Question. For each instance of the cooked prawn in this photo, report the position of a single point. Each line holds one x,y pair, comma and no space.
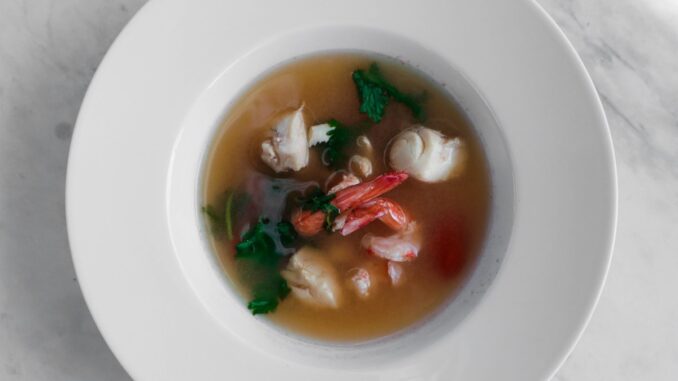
308,223
383,209
400,247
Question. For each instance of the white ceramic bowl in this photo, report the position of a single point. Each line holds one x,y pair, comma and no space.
139,243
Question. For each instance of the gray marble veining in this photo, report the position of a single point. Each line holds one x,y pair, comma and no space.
49,51
629,47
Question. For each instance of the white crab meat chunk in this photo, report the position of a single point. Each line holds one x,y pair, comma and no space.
360,166
361,282
313,279
427,154
395,273
286,149
320,133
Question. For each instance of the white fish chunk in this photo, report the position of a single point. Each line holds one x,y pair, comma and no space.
313,279
427,154
287,148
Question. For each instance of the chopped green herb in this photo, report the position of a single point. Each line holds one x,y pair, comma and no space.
268,294
318,200
340,136
374,92
331,212
286,232
222,217
373,98
258,246
212,214
262,305
228,216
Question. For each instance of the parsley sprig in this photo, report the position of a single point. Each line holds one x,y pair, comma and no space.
375,91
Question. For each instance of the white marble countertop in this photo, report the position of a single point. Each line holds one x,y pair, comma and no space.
50,49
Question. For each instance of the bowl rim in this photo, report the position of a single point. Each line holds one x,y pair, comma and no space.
95,124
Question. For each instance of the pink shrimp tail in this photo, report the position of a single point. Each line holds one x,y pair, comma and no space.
387,211
309,223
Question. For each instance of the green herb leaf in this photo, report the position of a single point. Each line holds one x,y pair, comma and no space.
374,92
211,213
228,216
318,200
258,247
373,98
268,294
262,305
340,136
331,212
287,233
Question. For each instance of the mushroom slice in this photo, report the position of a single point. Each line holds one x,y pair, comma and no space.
360,166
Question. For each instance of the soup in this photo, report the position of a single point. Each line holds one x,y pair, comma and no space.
347,196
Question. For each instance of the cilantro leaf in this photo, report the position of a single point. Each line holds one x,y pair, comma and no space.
268,294
340,136
286,232
331,212
257,246
373,98
262,305
374,92
318,200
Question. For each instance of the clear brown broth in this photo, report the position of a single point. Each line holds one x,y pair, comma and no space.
323,83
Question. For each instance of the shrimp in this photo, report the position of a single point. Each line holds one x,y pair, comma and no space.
347,180
386,210
400,247
308,223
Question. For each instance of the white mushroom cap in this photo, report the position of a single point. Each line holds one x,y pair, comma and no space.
360,165
427,154
287,149
313,279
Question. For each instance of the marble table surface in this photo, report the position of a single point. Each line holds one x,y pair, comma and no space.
50,49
